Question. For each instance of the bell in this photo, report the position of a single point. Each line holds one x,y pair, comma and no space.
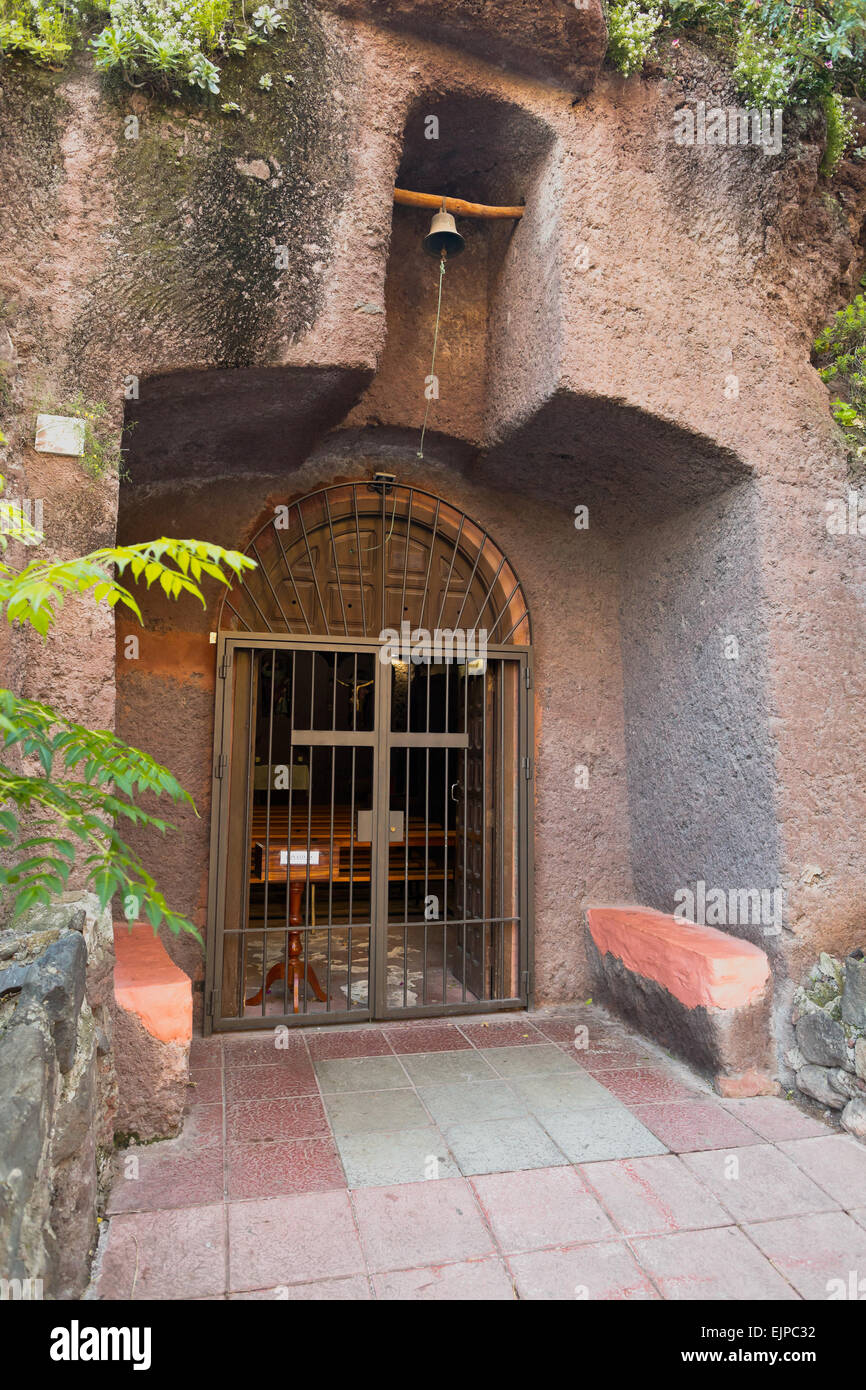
443,238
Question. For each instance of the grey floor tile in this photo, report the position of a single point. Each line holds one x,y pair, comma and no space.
437,1068
528,1061
360,1074
410,1155
558,1091
466,1102
367,1112
600,1133
502,1146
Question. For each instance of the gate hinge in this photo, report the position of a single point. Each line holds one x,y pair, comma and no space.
527,677
212,1002
222,764
526,764
224,666
527,983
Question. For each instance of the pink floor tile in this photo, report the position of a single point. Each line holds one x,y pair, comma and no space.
302,1117
206,1085
202,1126
295,1078
426,1038
758,1183
149,1179
689,1125
273,1170
416,1224
206,1052
501,1034
278,1241
271,1049
817,1254
584,1272
837,1163
559,1030
602,1059
354,1042
647,1085
540,1207
164,1255
709,1265
473,1280
775,1119
355,1288
647,1196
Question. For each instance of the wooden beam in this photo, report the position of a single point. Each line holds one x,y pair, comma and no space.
456,206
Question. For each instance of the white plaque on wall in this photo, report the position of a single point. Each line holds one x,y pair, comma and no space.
59,434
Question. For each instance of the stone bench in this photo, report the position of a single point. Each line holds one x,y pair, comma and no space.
700,992
152,1034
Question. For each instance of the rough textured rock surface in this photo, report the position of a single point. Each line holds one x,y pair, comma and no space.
815,1082
854,1118
57,1093
822,1040
854,990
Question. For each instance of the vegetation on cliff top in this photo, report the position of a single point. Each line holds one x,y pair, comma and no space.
160,43
810,53
841,355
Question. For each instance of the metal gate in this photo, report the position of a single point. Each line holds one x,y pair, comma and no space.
370,829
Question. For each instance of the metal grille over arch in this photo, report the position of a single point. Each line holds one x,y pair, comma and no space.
356,559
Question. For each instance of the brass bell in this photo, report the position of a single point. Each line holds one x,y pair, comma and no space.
443,238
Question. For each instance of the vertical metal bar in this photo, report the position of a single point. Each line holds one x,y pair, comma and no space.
352,882
408,754
406,558
306,932
289,832
330,928
499,814
248,828
488,927
465,790
382,566
427,821
429,563
267,864
445,809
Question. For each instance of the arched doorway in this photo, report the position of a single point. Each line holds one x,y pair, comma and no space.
371,810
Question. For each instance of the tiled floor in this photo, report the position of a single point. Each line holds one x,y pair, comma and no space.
479,1160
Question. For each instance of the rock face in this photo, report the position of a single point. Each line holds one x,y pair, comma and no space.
854,990
822,1040
58,1092
854,1118
815,1082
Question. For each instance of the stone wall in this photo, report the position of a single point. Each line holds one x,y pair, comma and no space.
58,1093
828,1059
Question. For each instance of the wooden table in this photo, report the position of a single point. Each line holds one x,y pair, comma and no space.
323,850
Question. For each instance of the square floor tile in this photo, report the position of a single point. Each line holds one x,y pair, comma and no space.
206,1085
645,1085
274,1170
689,1125
164,1255
295,1078
409,1155
541,1207
360,1074
421,1037
583,1272
363,1112
438,1068
417,1224
273,1048
817,1254
470,1281
279,1241
502,1146
573,1090
759,1182
600,1132
471,1101
348,1042
837,1163
774,1118
255,1121
602,1058
501,1033
652,1196
147,1179
206,1052
710,1265
524,1061
560,1030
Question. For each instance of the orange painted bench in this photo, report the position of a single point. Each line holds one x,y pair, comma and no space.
152,1034
701,992
148,983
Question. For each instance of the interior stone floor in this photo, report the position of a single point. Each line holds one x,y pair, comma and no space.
478,1159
